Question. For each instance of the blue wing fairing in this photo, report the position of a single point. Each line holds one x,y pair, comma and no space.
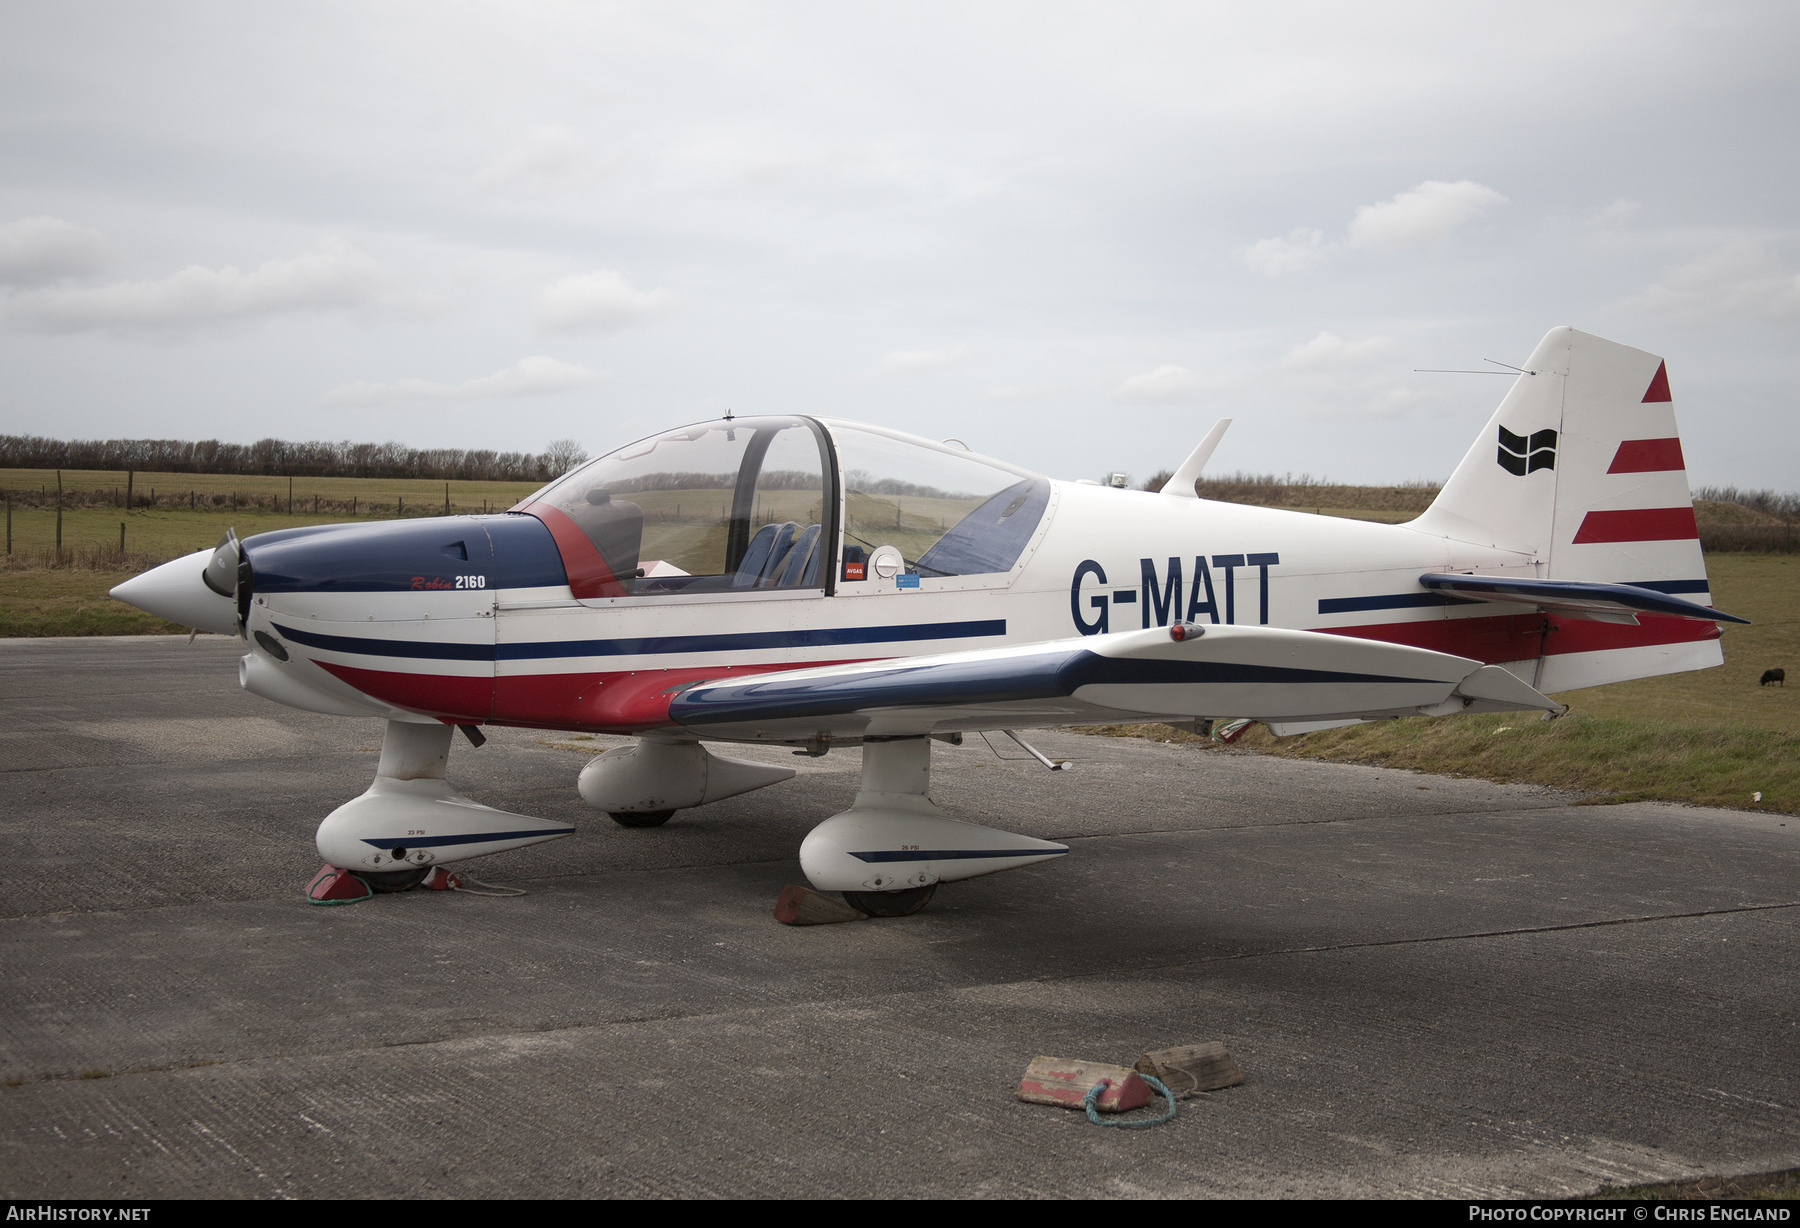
1053,674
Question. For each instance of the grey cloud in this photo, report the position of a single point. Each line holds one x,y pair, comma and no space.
41,249
538,375
1741,278
601,301
334,276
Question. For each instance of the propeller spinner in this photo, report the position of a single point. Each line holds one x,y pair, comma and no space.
208,590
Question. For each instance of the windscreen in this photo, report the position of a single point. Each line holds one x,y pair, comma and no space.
712,507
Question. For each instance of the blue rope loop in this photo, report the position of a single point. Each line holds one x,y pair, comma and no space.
1093,1096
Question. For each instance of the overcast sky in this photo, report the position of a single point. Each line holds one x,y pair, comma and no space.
1071,235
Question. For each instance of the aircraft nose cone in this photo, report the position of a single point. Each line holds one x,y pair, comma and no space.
176,592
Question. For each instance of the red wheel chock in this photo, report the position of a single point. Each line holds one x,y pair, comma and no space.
441,879
332,885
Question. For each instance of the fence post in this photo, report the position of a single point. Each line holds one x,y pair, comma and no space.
121,538
290,494
446,498
9,522
59,515
402,510
128,477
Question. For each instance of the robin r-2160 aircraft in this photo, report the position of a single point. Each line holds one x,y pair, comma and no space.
822,584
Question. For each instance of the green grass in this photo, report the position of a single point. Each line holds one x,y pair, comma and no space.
72,601
155,535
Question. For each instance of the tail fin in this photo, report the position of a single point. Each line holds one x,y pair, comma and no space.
1580,471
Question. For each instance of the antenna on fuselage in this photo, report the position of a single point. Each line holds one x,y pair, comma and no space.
1181,485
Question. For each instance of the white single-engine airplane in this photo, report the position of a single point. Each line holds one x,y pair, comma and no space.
821,584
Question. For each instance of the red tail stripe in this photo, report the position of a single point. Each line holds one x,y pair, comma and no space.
1659,385
1639,524
1648,456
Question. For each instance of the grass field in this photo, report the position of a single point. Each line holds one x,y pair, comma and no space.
1711,737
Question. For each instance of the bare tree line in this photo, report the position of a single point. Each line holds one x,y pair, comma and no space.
282,458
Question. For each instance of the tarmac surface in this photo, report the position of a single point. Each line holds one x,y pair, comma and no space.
1434,987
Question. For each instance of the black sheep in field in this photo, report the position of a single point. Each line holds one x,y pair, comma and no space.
1773,675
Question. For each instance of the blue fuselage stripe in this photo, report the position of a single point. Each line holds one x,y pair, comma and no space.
748,641
744,641
1673,586
1393,601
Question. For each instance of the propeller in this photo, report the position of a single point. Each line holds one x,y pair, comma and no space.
228,573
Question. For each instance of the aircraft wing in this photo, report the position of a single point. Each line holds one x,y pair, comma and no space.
1211,671
1620,603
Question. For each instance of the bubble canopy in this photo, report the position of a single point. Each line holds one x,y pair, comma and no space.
749,504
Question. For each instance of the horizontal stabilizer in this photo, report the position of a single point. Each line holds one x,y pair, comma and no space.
1577,598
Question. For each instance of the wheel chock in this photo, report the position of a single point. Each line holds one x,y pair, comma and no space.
1188,1069
1065,1082
333,885
803,906
441,879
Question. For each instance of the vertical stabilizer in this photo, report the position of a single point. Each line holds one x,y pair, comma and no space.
1580,472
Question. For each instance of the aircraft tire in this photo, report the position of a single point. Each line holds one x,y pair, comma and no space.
641,818
394,880
902,903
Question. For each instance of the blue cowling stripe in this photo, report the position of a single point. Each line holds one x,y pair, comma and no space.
413,842
741,642
371,647
1050,675
955,854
